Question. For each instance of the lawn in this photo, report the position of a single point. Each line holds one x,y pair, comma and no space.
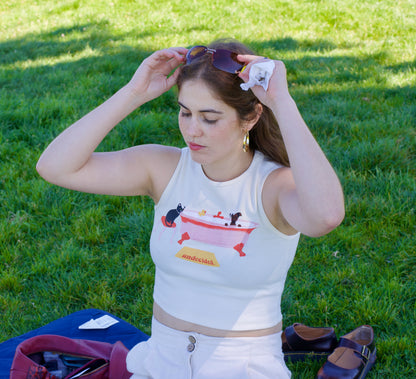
352,71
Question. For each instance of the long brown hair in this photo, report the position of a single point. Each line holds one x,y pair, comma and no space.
265,136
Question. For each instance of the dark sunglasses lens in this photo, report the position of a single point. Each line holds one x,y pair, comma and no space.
226,60
195,52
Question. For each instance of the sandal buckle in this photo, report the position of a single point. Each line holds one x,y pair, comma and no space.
365,352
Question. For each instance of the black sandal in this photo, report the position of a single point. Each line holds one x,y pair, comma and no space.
353,358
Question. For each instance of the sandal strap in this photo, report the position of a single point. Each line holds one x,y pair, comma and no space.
363,350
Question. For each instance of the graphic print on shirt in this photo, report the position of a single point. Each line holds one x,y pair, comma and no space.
209,228
201,257
171,216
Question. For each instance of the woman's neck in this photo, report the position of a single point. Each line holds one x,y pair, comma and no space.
230,169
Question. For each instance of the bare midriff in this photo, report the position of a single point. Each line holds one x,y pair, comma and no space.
175,323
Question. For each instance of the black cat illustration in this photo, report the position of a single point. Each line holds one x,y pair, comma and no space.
234,218
172,215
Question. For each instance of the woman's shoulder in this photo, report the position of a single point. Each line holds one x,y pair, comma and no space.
156,157
277,179
162,161
265,163
161,151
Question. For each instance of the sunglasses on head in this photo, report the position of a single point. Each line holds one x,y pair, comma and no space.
224,60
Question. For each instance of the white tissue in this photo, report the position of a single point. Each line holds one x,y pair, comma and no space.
103,322
260,74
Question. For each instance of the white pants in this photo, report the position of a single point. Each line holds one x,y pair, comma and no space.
172,354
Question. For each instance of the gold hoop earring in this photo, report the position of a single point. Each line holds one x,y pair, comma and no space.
246,142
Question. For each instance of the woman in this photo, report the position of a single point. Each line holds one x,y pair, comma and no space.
229,207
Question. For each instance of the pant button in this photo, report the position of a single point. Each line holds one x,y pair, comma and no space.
191,347
192,339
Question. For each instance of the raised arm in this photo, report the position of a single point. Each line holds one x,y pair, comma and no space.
70,161
308,194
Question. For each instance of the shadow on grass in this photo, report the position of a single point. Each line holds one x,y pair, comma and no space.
62,41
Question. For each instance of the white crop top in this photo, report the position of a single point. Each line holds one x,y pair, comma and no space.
219,261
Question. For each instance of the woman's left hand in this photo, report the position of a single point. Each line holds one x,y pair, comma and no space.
277,89
308,194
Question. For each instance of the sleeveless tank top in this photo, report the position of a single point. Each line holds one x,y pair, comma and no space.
219,261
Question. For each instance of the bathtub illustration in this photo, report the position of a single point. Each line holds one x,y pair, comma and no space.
218,230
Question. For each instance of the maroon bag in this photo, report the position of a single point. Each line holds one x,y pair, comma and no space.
57,357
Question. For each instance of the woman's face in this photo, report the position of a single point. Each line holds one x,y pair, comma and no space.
212,130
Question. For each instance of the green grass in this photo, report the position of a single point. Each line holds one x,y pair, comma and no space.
352,70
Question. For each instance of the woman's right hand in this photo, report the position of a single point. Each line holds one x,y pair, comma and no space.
70,160
152,77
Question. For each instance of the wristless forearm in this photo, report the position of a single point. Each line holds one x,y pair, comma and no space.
317,185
